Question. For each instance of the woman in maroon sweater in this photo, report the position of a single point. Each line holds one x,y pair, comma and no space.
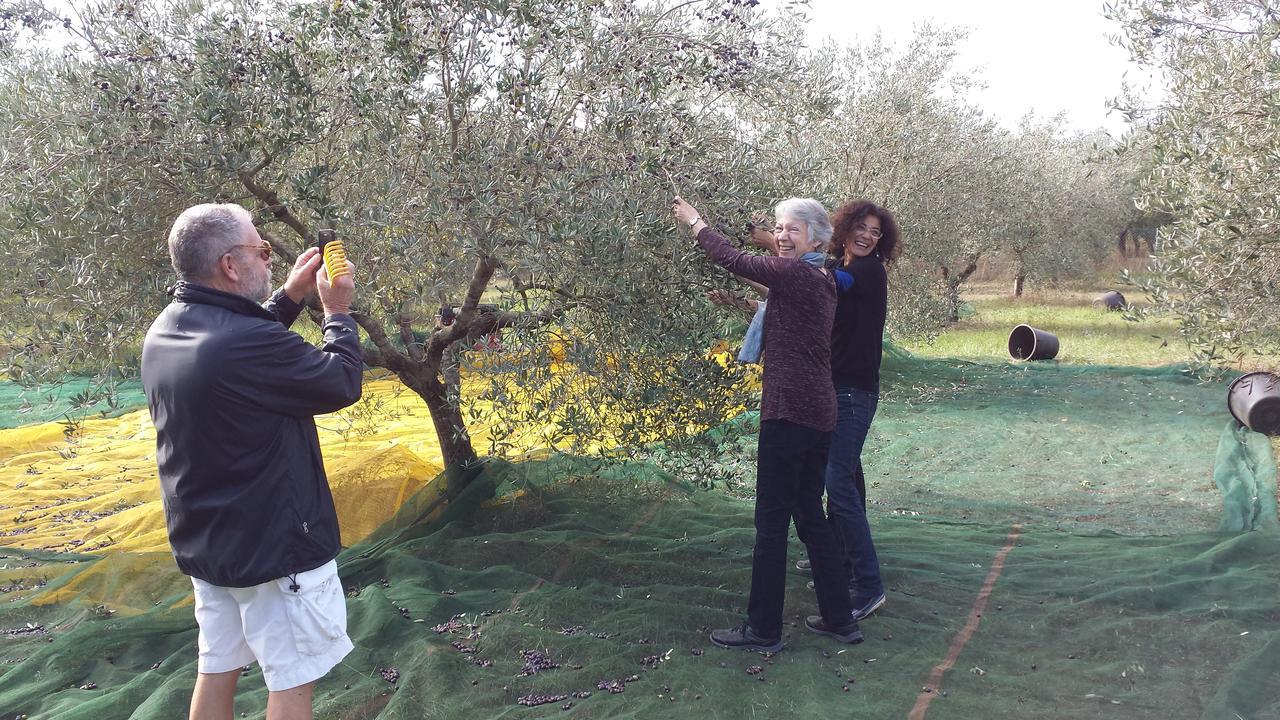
797,414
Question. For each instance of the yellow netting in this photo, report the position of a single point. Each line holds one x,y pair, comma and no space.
97,491
129,583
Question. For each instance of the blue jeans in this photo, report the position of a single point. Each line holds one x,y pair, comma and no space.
846,491
789,466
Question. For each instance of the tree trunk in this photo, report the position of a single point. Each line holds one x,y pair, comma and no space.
954,281
1018,282
953,296
1122,242
435,380
451,430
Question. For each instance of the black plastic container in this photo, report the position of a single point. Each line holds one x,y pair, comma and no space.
1111,300
1028,343
1254,400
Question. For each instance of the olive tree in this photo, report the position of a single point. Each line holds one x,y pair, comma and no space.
511,160
1033,190
1215,154
1065,198
905,136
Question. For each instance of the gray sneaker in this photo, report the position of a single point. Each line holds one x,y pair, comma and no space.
845,634
862,609
743,637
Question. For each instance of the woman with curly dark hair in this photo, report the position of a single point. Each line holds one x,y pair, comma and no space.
864,241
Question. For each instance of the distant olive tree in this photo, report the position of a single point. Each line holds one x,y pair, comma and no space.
1215,156
1065,196
511,160
906,135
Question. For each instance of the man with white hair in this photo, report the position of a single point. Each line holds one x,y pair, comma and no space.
232,392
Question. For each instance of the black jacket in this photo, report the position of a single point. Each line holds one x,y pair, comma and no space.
232,392
857,336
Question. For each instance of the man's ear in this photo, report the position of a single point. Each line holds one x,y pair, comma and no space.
227,269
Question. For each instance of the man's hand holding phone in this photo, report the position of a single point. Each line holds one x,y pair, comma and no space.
302,277
337,293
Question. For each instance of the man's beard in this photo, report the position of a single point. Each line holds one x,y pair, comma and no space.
260,292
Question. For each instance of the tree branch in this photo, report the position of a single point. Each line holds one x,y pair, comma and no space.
406,336
387,356
283,251
443,338
271,200
491,322
523,288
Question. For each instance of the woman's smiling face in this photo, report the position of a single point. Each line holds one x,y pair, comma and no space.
792,237
866,235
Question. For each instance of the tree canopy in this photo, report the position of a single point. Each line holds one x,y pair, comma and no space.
510,160
1215,152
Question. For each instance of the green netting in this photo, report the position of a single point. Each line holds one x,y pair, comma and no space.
601,578
1082,448
1245,472
1082,501
23,406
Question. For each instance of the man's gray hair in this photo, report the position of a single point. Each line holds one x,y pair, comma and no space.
811,213
202,234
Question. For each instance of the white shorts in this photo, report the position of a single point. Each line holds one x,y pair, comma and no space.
296,636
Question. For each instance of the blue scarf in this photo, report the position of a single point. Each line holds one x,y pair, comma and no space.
753,341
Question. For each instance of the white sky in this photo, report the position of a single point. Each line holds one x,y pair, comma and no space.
1032,54
1041,55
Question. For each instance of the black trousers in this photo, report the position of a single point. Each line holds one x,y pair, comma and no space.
791,467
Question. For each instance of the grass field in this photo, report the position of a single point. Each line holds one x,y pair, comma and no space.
1087,333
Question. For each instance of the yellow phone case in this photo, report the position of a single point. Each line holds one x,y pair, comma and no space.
335,260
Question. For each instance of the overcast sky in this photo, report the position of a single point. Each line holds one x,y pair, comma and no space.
1046,56
1031,54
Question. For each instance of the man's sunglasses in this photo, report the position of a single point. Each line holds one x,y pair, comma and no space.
264,249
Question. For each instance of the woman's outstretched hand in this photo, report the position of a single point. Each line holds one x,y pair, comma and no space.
763,239
684,212
725,298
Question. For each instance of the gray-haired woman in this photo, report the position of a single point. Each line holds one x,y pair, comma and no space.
797,414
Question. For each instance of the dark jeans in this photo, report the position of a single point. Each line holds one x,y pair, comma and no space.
790,462
846,490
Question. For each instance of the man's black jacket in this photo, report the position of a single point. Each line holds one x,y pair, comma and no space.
232,392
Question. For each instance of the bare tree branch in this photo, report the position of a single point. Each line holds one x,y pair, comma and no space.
406,336
389,356
271,200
